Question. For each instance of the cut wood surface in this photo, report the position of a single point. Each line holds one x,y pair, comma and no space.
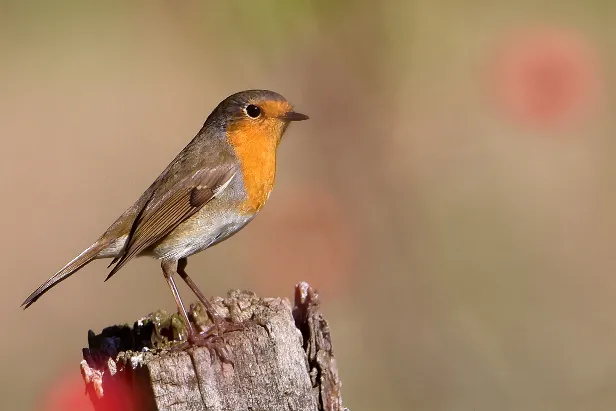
282,359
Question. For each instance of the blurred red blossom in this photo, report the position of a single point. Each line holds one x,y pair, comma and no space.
68,393
309,238
548,78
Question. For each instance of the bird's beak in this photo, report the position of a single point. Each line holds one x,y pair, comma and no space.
293,116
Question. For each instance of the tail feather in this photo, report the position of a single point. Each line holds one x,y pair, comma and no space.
69,269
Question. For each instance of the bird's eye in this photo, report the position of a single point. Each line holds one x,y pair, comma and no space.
253,111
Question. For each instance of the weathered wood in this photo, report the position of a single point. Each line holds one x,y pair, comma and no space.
282,359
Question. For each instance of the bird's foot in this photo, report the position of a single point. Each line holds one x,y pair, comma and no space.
215,345
222,326
213,339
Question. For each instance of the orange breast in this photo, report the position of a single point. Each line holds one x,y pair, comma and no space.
255,147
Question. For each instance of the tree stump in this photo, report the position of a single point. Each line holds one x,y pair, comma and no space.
281,360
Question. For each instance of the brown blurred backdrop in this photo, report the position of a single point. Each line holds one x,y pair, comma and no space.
452,196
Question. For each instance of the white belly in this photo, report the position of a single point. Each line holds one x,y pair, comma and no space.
197,234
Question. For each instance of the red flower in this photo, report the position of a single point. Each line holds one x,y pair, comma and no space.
308,238
68,393
547,78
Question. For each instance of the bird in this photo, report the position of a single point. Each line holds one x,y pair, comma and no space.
212,189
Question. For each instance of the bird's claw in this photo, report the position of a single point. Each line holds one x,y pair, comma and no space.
213,339
216,346
222,327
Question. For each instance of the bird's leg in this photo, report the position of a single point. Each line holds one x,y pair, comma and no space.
209,308
220,324
168,271
213,343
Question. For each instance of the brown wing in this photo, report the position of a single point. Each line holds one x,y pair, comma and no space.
166,211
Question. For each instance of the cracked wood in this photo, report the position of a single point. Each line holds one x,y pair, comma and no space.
282,360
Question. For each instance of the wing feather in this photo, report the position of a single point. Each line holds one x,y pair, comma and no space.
165,211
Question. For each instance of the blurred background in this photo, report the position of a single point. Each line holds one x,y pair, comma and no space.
452,196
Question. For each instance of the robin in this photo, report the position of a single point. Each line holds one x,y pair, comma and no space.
214,187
